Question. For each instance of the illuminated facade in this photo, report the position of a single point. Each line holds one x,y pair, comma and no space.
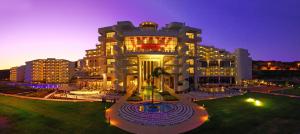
215,65
13,74
48,71
17,74
126,55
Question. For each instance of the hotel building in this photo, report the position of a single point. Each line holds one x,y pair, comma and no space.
48,71
127,55
43,71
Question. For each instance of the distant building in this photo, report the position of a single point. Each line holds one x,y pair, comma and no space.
17,74
43,71
48,71
13,74
4,74
127,55
275,65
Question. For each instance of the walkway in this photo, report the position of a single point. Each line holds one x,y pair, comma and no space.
199,117
269,90
278,94
49,95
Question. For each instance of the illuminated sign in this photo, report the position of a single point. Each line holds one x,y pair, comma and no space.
150,46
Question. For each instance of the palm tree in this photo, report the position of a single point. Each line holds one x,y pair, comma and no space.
157,73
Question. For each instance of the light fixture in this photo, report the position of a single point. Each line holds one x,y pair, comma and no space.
255,102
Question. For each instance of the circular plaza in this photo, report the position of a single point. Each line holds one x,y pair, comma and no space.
156,117
166,114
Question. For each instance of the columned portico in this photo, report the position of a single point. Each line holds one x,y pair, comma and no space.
146,65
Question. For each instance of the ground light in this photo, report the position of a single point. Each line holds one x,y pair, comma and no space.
204,118
255,102
258,103
250,100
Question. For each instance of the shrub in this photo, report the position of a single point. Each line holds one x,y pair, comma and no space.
164,93
134,98
169,98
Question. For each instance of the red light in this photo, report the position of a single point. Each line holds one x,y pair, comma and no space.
151,46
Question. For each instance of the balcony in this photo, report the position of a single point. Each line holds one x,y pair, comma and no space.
151,51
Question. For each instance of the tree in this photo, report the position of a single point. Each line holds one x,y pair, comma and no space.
157,73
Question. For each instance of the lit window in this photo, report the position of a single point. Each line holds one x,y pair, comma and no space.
110,34
190,35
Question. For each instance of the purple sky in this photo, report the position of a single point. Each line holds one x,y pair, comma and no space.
31,29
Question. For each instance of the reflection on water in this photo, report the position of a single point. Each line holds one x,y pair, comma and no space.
148,97
156,107
147,94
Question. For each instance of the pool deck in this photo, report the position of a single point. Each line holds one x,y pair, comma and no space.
199,117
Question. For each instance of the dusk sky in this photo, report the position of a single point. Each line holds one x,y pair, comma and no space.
32,29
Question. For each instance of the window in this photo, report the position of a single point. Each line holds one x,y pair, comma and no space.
190,35
110,34
109,48
190,61
110,70
110,61
191,50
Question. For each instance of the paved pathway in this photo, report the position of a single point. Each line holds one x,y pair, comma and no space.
49,95
199,117
278,94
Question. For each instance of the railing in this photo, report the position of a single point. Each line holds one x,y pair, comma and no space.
150,51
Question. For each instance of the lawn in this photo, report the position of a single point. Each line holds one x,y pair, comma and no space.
234,115
229,115
32,116
291,91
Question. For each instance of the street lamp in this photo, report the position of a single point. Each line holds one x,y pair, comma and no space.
104,80
269,64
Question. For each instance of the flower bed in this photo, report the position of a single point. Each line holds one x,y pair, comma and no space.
134,97
167,96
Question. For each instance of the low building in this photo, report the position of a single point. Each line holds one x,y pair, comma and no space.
4,74
275,65
17,74
13,74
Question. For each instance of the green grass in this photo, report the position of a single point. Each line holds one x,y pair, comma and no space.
235,116
291,91
40,93
229,115
33,116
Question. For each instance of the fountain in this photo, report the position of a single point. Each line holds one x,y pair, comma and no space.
162,114
155,107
